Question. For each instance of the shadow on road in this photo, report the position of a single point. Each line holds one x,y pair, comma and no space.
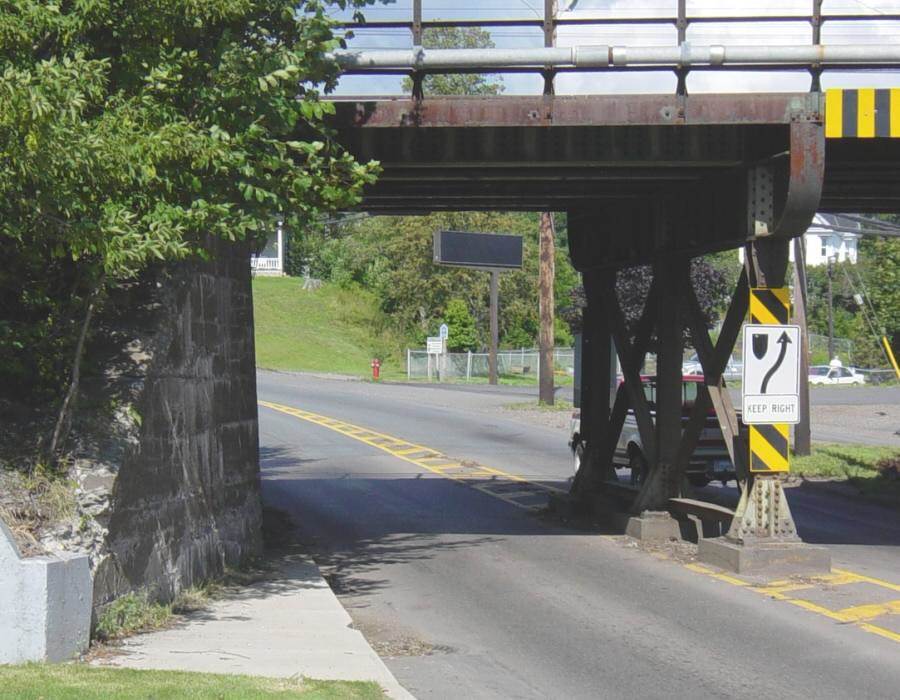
829,513
355,524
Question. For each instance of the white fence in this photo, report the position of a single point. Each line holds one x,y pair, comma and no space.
265,264
466,366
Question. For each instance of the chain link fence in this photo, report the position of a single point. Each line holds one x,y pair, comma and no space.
468,366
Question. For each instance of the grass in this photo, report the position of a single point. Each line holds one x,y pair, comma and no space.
858,464
334,330
329,329
81,682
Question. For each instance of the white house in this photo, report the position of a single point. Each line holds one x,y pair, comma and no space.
829,236
270,260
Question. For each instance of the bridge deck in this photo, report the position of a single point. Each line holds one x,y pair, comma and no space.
537,153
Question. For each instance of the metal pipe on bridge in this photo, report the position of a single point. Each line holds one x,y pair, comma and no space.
615,57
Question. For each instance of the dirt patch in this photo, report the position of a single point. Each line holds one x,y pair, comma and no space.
390,642
557,420
680,551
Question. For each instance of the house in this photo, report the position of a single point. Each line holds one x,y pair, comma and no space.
829,236
270,259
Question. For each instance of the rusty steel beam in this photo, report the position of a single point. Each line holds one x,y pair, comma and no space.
578,110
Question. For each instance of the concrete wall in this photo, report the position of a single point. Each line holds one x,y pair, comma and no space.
45,605
185,497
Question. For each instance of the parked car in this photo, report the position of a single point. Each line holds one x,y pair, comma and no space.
825,374
733,370
710,460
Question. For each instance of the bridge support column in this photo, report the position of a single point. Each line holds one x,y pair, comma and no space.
598,375
763,536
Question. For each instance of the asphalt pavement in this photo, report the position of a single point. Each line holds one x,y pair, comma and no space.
467,595
818,395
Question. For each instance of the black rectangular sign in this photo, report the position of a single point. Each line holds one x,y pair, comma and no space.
480,250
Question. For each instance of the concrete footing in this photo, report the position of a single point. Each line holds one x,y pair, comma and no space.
765,558
653,526
45,605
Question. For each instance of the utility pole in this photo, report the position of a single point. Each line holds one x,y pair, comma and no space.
830,272
545,293
547,272
495,331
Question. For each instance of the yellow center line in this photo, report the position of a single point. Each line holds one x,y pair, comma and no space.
402,449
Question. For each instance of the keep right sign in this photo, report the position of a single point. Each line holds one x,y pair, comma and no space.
771,379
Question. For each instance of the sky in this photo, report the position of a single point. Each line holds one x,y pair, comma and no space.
771,33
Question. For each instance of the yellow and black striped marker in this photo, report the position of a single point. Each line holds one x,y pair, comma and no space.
862,113
769,448
769,444
770,305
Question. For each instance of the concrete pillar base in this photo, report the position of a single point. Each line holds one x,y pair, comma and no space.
653,526
765,558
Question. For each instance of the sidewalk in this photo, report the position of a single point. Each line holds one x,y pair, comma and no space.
292,625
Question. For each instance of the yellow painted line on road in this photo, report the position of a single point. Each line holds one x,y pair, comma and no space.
446,466
700,569
881,631
858,615
864,613
860,578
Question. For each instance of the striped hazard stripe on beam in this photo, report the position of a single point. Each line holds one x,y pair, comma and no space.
770,305
769,448
862,113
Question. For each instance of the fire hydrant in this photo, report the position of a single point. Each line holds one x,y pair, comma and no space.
376,368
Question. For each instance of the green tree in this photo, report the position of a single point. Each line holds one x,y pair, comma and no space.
462,335
457,83
392,256
879,263
132,131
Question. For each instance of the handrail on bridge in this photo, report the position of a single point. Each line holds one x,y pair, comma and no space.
681,58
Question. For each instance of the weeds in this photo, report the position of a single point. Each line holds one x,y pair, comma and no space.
130,614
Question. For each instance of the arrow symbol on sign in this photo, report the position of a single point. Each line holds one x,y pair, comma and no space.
783,342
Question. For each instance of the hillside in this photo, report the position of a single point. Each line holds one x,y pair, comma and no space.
330,329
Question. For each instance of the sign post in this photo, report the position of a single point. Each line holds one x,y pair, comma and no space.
492,252
435,346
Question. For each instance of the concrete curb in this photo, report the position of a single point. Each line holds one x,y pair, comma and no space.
292,625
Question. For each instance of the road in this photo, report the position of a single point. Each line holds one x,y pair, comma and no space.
467,595
863,415
818,395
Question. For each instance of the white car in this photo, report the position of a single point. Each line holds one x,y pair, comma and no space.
733,370
823,374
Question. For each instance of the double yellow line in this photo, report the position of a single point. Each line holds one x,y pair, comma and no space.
520,492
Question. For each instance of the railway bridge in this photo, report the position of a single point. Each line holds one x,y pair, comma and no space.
646,179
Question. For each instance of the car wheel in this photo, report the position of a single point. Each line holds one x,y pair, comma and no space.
698,480
638,467
579,456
